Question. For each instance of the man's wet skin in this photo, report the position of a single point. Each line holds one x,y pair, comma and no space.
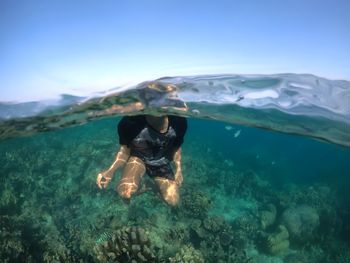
169,190
131,177
130,182
149,144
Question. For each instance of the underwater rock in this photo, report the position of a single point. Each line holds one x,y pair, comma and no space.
128,244
268,216
301,222
187,254
275,243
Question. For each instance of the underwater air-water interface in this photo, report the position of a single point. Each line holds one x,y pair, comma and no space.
265,163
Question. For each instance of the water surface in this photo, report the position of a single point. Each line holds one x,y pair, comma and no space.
249,194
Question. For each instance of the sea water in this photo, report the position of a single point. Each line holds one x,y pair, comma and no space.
278,194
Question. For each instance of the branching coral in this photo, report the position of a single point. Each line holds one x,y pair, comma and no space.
195,204
187,254
217,240
178,234
12,248
128,244
276,242
246,226
268,216
215,224
247,184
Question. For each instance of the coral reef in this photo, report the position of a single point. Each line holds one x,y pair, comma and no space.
51,210
217,240
301,222
275,243
11,242
247,184
195,204
128,244
187,254
178,234
246,226
268,216
237,256
295,258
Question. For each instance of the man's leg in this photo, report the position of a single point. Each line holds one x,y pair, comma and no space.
169,190
131,177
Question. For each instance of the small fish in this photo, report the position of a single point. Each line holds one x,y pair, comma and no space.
228,127
237,133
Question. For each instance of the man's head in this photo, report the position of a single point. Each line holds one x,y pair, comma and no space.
161,95
155,118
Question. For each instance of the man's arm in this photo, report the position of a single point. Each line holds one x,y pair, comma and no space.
121,158
178,171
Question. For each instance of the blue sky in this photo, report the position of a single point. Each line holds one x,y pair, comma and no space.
66,46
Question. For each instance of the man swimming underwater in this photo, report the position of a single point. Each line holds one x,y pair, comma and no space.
148,144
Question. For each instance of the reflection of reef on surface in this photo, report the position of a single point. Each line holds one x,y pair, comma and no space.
292,103
51,211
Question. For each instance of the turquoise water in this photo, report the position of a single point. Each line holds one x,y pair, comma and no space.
249,194
52,211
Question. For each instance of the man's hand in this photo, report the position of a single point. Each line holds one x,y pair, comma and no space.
177,162
103,179
178,177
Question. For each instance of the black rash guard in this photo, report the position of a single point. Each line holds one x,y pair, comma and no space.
154,148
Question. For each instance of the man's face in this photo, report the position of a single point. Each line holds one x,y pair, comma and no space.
155,118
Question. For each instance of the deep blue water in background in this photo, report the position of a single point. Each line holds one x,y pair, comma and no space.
284,157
